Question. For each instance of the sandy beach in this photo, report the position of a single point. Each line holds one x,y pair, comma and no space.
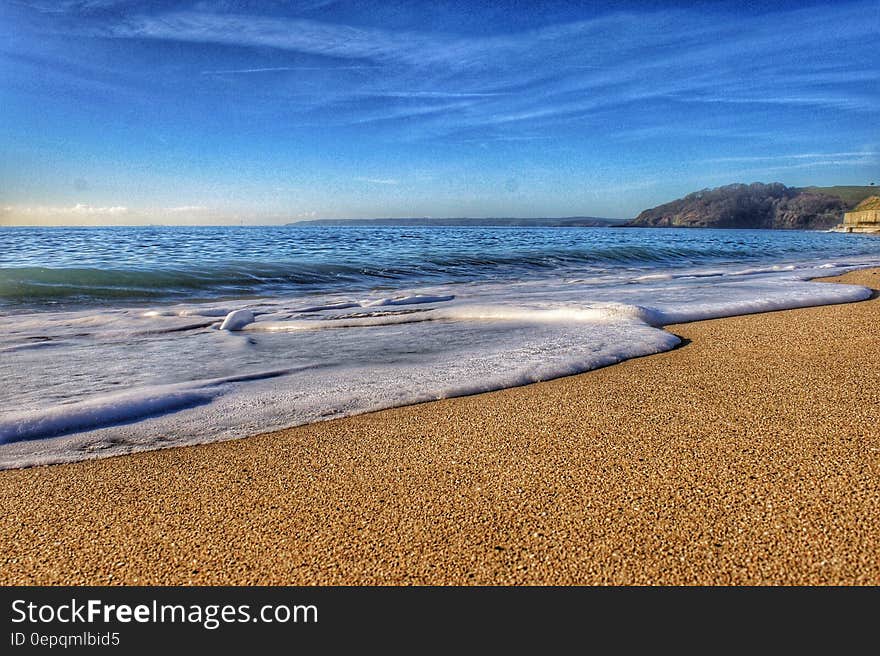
751,455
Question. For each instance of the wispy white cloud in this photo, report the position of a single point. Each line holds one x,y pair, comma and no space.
280,69
537,77
293,34
830,162
79,214
436,94
379,181
86,214
623,187
399,113
80,209
67,6
847,102
858,155
185,209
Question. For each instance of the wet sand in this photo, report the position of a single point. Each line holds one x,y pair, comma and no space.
751,455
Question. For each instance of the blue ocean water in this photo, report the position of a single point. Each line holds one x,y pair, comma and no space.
114,340
70,266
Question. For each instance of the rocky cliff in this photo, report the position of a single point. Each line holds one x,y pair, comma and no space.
754,205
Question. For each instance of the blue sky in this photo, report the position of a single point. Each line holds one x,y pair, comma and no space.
223,111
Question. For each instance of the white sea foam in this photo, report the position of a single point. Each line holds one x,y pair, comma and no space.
756,270
406,300
97,412
653,277
237,319
377,302
783,297
189,312
105,382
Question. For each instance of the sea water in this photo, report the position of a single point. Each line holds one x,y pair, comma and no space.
114,340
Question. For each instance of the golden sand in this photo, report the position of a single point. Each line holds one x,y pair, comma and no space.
751,455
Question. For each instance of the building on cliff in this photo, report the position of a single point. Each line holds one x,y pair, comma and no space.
864,218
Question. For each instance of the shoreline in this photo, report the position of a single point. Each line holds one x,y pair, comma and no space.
82,434
738,457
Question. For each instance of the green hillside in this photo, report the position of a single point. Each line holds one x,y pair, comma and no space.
872,203
750,206
850,194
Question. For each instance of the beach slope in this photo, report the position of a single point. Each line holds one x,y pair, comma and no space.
751,455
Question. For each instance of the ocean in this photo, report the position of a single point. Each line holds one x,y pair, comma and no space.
115,340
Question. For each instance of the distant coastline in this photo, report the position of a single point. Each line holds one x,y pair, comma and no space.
746,206
550,222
